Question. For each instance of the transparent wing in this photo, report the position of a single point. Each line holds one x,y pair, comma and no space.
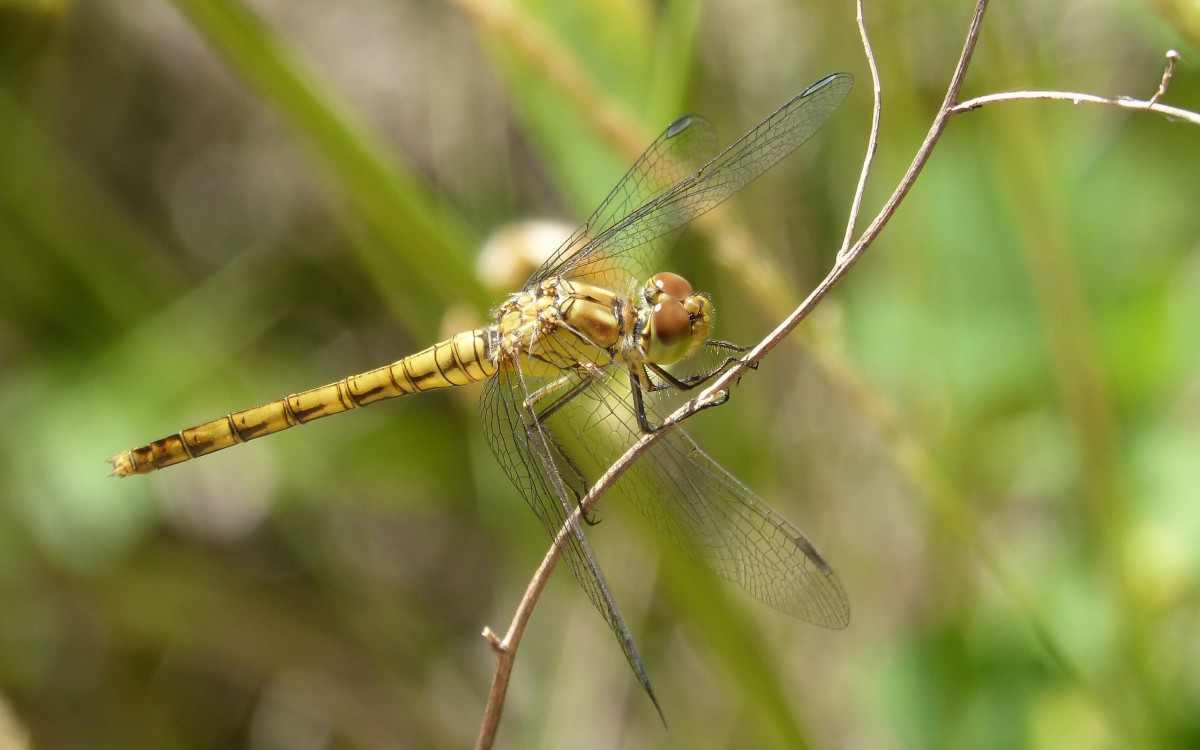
704,510
552,484
606,250
683,148
717,520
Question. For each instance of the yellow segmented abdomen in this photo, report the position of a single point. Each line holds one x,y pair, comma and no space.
462,359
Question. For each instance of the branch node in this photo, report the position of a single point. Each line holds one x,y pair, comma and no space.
1172,60
498,645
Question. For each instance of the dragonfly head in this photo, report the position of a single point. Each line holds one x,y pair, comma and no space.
679,319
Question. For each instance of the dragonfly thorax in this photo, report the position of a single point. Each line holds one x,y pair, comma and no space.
560,323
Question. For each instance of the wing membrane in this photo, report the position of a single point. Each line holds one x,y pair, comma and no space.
702,508
630,244
551,483
683,148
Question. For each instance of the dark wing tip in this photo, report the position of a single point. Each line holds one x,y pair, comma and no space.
835,610
680,125
827,80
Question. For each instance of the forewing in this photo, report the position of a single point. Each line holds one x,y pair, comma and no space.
629,245
683,148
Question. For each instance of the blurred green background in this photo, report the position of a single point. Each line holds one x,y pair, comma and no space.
991,429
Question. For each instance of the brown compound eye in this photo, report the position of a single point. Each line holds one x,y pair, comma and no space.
672,332
671,324
679,319
671,285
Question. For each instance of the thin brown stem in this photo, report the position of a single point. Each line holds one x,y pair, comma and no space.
1149,105
506,649
1168,72
850,257
873,139
1124,102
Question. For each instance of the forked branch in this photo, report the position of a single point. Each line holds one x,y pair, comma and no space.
1153,104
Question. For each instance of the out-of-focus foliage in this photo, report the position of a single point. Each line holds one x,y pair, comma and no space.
992,429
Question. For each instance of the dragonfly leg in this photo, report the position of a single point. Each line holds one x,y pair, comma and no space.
532,399
551,388
687,383
589,519
730,346
639,404
579,487
576,483
691,381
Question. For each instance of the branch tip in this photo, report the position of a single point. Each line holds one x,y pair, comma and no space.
1168,72
493,639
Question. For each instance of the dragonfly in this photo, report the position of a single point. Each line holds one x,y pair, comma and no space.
582,361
